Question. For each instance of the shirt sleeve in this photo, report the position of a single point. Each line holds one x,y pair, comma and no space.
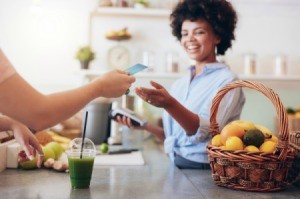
230,109
6,69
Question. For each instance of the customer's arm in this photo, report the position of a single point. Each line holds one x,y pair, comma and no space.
22,102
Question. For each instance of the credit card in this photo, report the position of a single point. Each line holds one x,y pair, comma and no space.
135,69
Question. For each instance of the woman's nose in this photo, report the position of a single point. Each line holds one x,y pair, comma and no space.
190,37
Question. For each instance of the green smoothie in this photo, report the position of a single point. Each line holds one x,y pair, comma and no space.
80,171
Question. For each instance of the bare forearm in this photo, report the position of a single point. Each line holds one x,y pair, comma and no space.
157,131
40,111
187,119
5,123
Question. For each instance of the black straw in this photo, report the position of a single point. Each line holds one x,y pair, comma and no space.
83,135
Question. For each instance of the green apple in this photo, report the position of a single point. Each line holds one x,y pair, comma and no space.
48,153
30,164
56,148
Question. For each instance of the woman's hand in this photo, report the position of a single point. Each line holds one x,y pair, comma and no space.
158,97
113,84
127,122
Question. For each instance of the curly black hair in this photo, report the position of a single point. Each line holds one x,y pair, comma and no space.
218,13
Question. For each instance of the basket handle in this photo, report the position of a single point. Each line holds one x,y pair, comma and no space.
283,144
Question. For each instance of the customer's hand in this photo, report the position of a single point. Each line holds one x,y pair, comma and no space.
114,83
29,143
158,97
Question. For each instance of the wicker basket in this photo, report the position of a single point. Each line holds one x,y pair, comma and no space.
251,171
295,171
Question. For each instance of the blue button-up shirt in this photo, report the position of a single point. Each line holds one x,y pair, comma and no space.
196,95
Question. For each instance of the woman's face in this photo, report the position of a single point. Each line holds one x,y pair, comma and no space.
199,40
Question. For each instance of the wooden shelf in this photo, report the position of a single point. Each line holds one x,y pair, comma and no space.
270,77
145,12
95,73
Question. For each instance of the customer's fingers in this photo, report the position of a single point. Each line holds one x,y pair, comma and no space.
28,151
34,143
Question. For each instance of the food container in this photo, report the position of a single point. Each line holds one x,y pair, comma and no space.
252,171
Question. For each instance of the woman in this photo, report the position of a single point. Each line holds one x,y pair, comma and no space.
205,29
25,105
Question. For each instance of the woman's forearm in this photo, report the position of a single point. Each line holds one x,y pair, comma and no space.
188,120
157,131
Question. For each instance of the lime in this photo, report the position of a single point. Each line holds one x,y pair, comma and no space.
104,148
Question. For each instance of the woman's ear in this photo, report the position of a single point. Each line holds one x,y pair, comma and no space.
217,39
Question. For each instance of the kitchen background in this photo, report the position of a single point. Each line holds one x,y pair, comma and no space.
41,37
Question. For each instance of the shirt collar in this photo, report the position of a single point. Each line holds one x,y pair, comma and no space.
208,68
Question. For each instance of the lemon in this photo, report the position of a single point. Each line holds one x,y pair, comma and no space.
268,147
273,139
216,140
267,133
234,143
223,147
251,148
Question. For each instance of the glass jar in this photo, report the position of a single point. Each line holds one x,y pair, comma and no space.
250,64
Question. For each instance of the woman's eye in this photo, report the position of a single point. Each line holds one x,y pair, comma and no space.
184,34
199,33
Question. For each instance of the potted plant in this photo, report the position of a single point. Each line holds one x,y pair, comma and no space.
85,55
140,3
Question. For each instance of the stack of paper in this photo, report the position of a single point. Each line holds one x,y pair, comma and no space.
133,158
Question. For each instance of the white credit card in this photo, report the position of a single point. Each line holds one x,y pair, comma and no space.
135,69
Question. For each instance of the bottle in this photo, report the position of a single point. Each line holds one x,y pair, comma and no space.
172,63
280,65
249,64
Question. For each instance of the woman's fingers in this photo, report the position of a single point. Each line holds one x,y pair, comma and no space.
156,85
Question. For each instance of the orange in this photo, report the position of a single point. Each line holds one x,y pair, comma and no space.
231,129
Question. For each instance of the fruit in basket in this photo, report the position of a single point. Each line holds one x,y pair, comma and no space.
267,133
268,147
253,137
234,143
251,148
290,110
216,140
244,124
57,149
297,114
273,139
231,129
223,147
